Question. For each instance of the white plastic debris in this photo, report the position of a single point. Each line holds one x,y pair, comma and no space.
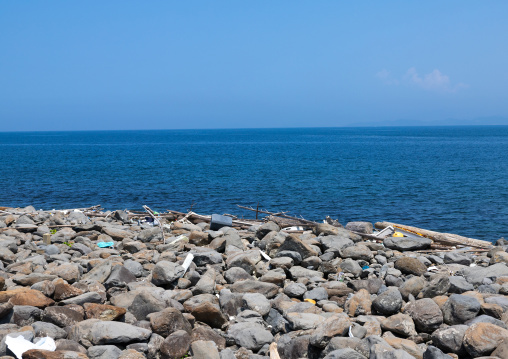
187,262
350,332
20,345
265,256
179,238
472,265
431,268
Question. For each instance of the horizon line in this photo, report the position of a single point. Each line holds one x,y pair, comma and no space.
253,128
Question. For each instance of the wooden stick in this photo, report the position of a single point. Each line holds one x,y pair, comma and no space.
281,214
446,238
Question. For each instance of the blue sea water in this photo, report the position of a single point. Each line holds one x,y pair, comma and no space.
452,179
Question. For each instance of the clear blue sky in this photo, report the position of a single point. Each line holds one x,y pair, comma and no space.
69,65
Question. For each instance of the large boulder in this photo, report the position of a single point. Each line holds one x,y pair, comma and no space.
481,339
426,314
460,308
407,243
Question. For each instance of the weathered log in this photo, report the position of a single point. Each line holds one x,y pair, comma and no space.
446,238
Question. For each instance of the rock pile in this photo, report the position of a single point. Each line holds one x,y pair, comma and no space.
319,294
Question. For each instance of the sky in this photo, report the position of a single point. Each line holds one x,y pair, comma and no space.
122,65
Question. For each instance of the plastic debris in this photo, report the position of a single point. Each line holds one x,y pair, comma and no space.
105,244
187,262
264,255
20,345
310,301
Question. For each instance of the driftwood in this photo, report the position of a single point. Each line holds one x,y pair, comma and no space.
298,220
444,238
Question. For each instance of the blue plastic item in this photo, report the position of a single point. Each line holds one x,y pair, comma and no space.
105,244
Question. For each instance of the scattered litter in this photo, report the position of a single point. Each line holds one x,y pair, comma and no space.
265,256
294,228
20,345
351,332
341,277
397,234
310,301
431,268
187,262
472,265
105,244
365,267
385,232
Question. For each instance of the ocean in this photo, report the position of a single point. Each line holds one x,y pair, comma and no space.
450,179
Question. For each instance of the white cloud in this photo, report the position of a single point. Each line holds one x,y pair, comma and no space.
433,81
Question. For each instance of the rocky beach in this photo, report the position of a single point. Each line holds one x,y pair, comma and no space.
107,285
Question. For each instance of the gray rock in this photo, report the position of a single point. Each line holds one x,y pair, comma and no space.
81,248
277,322
252,286
206,256
351,266
294,244
201,349
257,302
300,272
316,294
134,267
99,273
90,297
206,283
389,302
357,252
460,308
407,244
266,228
295,290
235,274
303,321
459,285
361,227
426,314
104,352
502,301
166,272
450,339
345,353
105,332
437,286
119,277
476,275
151,234
24,315
43,329
457,258
335,243
487,319
250,336
412,286
434,353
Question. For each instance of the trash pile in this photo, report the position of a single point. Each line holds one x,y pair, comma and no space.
88,283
